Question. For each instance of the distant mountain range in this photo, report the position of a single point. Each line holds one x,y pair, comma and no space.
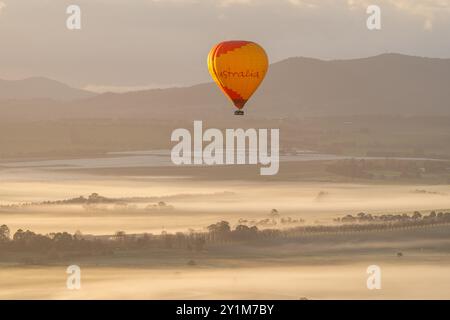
385,84
39,88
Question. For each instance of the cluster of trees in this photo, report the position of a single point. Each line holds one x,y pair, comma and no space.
270,222
52,246
93,198
96,202
78,244
222,230
190,241
274,219
396,218
62,244
368,222
22,241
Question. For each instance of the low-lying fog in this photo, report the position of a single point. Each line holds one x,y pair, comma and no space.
195,204
399,281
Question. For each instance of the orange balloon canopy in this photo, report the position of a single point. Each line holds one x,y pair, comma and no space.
238,68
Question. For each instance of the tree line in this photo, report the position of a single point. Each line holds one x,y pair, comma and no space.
54,246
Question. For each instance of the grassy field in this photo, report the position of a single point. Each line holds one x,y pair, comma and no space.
357,135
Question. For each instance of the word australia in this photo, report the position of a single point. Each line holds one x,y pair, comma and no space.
232,147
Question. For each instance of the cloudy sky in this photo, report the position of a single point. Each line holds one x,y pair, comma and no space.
127,44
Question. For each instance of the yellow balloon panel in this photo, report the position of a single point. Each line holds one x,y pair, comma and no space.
238,68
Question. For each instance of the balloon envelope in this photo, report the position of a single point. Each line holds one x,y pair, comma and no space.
238,68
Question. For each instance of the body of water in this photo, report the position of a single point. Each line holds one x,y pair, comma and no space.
159,158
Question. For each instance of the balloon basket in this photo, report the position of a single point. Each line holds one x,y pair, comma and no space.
239,113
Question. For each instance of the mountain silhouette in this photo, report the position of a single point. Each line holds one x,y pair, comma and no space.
385,84
40,88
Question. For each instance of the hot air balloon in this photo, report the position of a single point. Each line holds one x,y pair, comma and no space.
238,68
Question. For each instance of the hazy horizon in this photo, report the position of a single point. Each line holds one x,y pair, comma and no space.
98,89
149,43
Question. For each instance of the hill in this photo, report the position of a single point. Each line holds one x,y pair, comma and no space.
388,84
40,88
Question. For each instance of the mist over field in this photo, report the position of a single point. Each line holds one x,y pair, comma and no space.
196,204
87,178
100,203
275,282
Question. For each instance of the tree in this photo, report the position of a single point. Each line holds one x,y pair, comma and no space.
62,239
221,227
18,236
244,232
78,235
30,239
220,230
120,235
417,215
274,213
4,233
